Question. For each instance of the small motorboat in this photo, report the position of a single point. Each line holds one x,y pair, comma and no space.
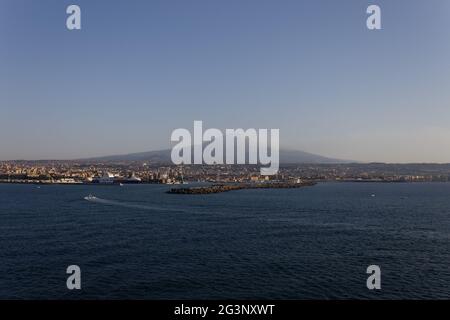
90,197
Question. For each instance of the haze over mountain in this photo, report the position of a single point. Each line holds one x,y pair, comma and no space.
163,156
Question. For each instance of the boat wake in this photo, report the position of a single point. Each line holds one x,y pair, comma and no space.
94,199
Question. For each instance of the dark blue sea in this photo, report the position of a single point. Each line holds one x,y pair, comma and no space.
137,242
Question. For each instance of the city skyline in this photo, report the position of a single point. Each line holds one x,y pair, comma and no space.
135,72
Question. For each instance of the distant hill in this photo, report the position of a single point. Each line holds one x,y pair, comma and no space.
163,156
298,156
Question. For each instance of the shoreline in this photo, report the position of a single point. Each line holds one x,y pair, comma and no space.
216,183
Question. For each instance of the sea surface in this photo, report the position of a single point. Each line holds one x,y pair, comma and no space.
137,242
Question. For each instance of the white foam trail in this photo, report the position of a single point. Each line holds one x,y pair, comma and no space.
129,205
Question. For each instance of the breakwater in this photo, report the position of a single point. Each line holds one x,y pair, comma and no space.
217,188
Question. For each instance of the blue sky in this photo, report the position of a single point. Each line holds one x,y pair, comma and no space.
139,69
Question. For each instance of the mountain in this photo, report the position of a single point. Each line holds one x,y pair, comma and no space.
163,156
298,156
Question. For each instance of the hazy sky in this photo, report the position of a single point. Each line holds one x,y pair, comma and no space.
139,69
